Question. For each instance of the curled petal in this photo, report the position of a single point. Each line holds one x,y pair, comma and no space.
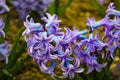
77,63
79,70
103,65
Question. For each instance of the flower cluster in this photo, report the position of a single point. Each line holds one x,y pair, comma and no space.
3,6
72,49
24,7
4,47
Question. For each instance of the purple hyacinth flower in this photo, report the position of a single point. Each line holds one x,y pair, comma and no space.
63,43
94,25
111,10
110,52
94,65
70,69
2,24
52,23
3,7
63,56
113,37
5,50
93,43
43,43
32,27
75,34
81,54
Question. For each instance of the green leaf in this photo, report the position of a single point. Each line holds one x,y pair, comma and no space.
19,65
7,73
12,57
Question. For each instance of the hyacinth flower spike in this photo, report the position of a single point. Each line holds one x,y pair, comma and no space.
3,7
70,69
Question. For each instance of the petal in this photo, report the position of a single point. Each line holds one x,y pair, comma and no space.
71,74
62,63
98,68
42,67
103,65
90,70
77,63
80,70
65,74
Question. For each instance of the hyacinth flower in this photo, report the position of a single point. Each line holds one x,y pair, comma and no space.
70,69
76,34
52,23
94,25
80,54
93,64
3,7
43,44
111,10
24,7
93,43
31,26
40,46
63,56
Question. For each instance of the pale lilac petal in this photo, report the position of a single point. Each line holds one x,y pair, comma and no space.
90,70
79,70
